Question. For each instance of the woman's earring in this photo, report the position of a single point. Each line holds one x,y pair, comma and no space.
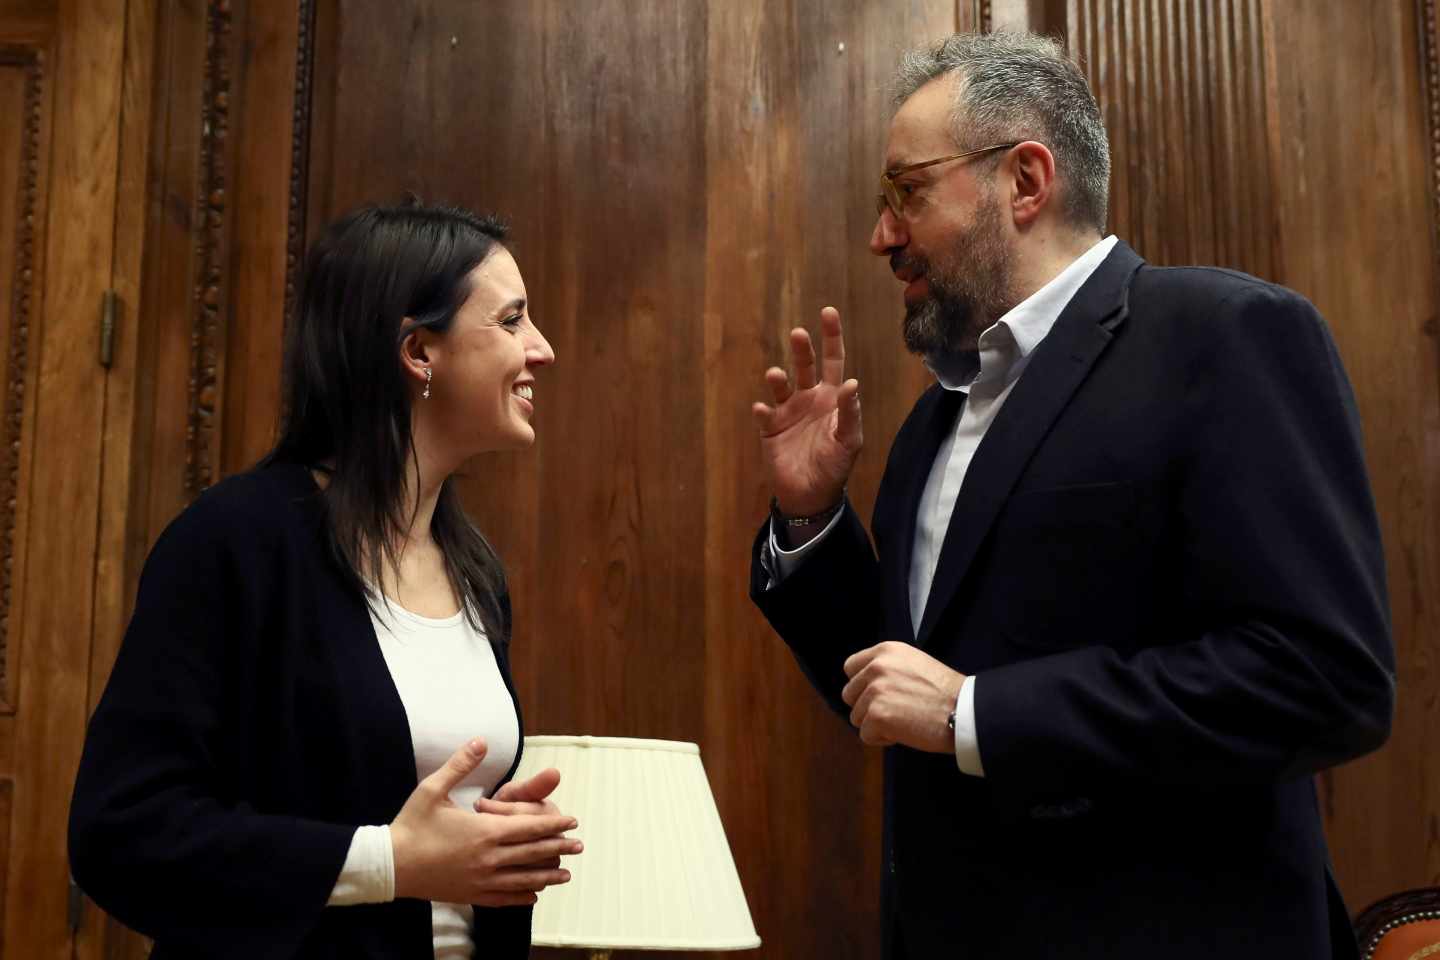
428,374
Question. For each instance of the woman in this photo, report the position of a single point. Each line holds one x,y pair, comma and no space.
314,689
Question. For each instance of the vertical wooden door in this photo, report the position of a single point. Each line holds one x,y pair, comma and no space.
57,235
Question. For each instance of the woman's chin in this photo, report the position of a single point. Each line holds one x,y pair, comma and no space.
521,437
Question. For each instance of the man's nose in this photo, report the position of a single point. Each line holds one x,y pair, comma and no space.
888,234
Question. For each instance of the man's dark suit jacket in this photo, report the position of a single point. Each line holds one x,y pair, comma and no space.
1164,570
249,726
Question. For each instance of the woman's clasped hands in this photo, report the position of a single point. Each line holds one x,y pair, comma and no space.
501,854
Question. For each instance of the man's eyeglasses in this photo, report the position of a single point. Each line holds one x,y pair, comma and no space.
890,191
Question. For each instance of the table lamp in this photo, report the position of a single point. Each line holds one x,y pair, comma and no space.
656,873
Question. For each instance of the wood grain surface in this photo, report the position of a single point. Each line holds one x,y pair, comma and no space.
686,180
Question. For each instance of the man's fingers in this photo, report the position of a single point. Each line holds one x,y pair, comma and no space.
534,790
764,418
872,719
860,710
870,735
856,687
859,661
458,767
832,347
802,353
779,385
847,410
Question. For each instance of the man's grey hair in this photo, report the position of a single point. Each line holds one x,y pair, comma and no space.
1018,86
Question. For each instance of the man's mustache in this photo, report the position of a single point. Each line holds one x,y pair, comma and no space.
908,268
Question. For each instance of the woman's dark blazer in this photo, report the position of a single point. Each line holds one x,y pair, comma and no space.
249,726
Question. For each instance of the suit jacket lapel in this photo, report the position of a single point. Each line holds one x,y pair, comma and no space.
1059,365
935,419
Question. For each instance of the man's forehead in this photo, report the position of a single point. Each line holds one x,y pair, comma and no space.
920,129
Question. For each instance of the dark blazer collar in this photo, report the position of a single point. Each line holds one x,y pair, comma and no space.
1059,365
934,417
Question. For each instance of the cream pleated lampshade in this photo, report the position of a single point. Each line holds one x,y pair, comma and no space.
656,873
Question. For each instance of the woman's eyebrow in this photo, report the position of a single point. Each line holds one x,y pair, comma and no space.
517,304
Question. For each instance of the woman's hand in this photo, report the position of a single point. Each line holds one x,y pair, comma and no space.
526,797
491,860
523,796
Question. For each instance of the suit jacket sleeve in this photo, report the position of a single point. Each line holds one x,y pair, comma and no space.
828,607
1293,669
157,836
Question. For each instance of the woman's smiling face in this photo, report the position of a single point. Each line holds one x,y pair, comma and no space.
482,390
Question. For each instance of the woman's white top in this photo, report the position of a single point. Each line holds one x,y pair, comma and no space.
450,685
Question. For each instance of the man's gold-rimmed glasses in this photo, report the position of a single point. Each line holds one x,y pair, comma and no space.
890,191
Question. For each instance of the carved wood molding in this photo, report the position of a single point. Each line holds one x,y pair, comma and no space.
32,62
208,330
299,155
1431,65
208,333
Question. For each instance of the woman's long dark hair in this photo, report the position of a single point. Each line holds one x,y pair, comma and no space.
377,274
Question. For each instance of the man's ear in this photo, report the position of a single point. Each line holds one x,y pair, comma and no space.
1032,181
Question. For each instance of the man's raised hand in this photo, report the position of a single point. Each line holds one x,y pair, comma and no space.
811,435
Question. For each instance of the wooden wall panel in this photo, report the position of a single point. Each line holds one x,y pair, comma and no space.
69,413
168,316
151,60
1357,224
27,19
797,116
216,171
612,567
1182,86
251,196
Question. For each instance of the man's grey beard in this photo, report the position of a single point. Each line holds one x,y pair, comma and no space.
970,289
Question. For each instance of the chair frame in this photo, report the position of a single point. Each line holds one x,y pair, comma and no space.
1396,910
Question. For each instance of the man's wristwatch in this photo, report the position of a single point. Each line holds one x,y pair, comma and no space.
824,516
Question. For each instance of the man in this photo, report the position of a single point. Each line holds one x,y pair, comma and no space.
1129,593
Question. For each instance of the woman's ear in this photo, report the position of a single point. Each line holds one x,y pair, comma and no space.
415,354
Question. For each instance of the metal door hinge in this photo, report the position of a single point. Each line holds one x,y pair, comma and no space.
109,307
76,906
